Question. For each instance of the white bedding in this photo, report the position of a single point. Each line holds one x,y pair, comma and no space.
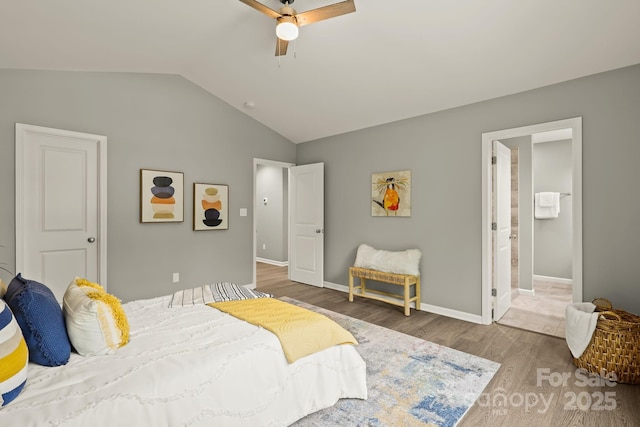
187,366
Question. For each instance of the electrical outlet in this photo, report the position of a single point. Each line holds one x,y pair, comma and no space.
264,246
176,277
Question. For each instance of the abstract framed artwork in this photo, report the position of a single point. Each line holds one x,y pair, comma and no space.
391,193
161,196
210,206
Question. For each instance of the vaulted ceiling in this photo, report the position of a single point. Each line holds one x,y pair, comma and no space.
389,60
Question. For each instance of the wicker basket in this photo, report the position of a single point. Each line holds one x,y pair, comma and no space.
615,346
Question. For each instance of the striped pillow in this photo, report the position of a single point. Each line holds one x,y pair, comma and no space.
96,322
14,356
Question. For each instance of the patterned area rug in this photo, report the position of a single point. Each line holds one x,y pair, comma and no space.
411,382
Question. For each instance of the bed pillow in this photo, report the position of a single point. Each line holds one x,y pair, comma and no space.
96,322
402,262
14,356
3,288
40,318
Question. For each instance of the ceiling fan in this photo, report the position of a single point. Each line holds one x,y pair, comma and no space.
289,20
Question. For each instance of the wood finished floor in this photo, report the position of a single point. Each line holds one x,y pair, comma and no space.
520,393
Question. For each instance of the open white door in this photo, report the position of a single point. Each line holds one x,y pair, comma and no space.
60,206
306,225
502,233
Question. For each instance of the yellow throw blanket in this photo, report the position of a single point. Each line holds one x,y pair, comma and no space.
301,332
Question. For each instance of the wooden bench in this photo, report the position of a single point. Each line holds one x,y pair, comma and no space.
404,280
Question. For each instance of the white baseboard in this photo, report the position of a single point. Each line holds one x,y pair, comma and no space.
335,286
272,262
460,315
528,292
455,314
553,279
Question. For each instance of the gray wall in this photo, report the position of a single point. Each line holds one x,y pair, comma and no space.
151,121
443,150
525,210
552,249
271,219
165,122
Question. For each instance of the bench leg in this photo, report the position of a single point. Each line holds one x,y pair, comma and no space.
350,287
418,296
407,290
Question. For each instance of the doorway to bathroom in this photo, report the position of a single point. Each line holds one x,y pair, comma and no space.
540,167
546,252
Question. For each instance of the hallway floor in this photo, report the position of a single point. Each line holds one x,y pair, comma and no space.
543,312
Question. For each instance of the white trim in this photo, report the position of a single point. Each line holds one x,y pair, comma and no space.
562,280
335,286
455,314
102,211
256,162
576,195
101,238
19,165
443,311
272,262
528,292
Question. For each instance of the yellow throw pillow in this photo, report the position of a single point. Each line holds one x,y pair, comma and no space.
96,322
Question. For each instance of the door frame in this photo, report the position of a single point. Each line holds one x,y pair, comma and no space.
576,195
102,192
264,162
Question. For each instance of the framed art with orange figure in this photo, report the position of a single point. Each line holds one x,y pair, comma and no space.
210,207
391,193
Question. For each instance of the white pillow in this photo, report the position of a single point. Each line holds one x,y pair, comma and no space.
96,323
402,262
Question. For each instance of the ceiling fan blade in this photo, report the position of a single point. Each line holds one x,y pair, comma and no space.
281,46
261,8
325,12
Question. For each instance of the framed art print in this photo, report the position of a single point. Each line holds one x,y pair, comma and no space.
391,193
210,207
161,196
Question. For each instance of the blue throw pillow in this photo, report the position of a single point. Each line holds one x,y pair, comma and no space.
40,318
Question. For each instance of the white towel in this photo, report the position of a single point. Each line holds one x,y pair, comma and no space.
546,199
546,205
581,321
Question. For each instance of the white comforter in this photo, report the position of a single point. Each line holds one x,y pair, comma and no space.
188,366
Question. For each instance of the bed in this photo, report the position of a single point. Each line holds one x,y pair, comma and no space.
187,366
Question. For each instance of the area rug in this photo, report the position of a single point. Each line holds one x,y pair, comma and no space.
410,381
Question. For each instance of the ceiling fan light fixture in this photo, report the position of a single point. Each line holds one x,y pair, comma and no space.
286,28
288,20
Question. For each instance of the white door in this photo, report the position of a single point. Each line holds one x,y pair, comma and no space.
60,206
502,233
306,225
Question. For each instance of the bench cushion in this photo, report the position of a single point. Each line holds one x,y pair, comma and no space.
400,262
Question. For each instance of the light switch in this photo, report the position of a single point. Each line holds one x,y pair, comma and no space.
243,211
